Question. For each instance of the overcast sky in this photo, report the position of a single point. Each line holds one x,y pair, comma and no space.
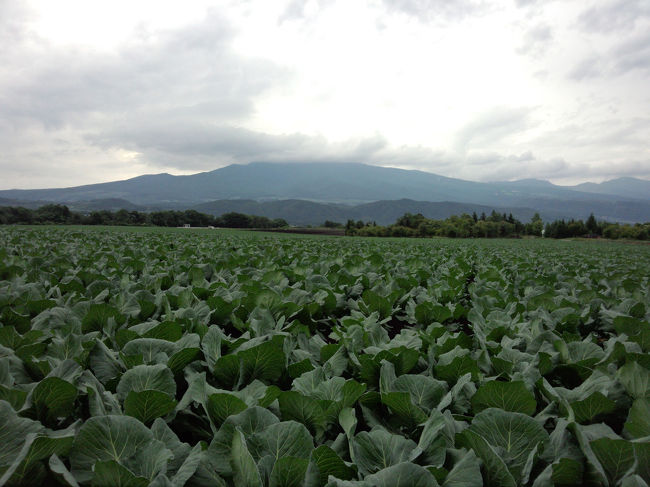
484,90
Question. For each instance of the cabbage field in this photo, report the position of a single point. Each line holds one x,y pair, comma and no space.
134,357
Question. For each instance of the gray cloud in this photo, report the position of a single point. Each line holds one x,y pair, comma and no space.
12,23
632,54
536,41
588,68
498,167
204,147
600,135
295,10
191,144
53,105
493,166
429,10
615,15
181,98
489,166
192,69
493,126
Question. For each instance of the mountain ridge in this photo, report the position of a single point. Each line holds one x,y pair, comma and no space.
352,184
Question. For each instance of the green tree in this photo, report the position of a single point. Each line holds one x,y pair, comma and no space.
592,224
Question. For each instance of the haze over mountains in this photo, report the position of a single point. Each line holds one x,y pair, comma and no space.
309,193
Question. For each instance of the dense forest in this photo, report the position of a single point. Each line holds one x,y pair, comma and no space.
61,214
497,225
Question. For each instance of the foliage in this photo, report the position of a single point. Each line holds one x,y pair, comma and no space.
61,214
497,226
163,358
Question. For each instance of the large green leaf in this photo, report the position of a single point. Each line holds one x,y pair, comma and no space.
497,473
513,435
638,419
616,457
148,405
432,430
179,360
244,469
53,398
264,362
585,434
591,407
377,449
188,467
98,315
147,377
348,421
405,474
61,472
401,405
211,346
567,471
111,474
13,434
152,350
221,405
15,397
465,473
455,369
289,472
167,330
37,447
122,439
103,363
305,410
642,451
509,396
250,421
162,432
285,439
329,463
227,371
425,391
636,379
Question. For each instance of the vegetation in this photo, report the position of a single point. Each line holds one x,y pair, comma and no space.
61,214
331,224
463,226
159,357
591,228
496,226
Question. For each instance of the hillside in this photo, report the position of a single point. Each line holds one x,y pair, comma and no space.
349,184
385,212
626,187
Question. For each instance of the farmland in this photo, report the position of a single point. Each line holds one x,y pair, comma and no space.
200,357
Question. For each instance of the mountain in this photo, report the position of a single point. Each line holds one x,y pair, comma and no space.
627,187
301,212
344,183
384,212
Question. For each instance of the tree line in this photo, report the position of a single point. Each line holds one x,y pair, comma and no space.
61,214
497,225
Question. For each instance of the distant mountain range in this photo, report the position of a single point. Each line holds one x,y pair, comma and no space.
307,193
385,212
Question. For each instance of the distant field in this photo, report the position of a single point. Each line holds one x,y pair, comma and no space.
172,356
